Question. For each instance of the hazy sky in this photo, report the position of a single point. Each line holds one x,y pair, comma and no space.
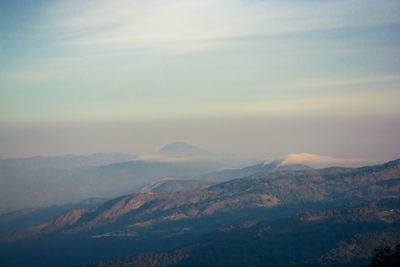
294,76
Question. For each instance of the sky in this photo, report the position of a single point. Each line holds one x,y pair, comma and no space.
261,78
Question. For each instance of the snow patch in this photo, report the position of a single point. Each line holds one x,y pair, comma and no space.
317,161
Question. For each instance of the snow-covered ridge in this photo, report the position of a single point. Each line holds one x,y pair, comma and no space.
318,161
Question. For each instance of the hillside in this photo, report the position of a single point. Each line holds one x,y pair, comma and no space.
344,236
20,219
178,218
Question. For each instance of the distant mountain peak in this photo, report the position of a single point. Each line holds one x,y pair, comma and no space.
182,149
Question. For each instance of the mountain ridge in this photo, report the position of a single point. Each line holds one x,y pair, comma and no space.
261,190
344,235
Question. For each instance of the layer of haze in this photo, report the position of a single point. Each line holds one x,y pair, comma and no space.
372,138
257,78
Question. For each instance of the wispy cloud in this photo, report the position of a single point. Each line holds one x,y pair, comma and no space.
103,58
311,83
171,23
355,102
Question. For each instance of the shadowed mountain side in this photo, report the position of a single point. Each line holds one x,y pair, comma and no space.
17,220
171,184
146,209
344,236
262,190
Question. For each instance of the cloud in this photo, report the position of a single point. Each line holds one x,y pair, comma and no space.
34,76
317,161
363,101
312,83
184,25
100,53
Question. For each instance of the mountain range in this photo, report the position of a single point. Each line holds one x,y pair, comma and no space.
44,181
176,184
341,236
297,205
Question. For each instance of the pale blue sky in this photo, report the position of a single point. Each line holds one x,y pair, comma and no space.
67,60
